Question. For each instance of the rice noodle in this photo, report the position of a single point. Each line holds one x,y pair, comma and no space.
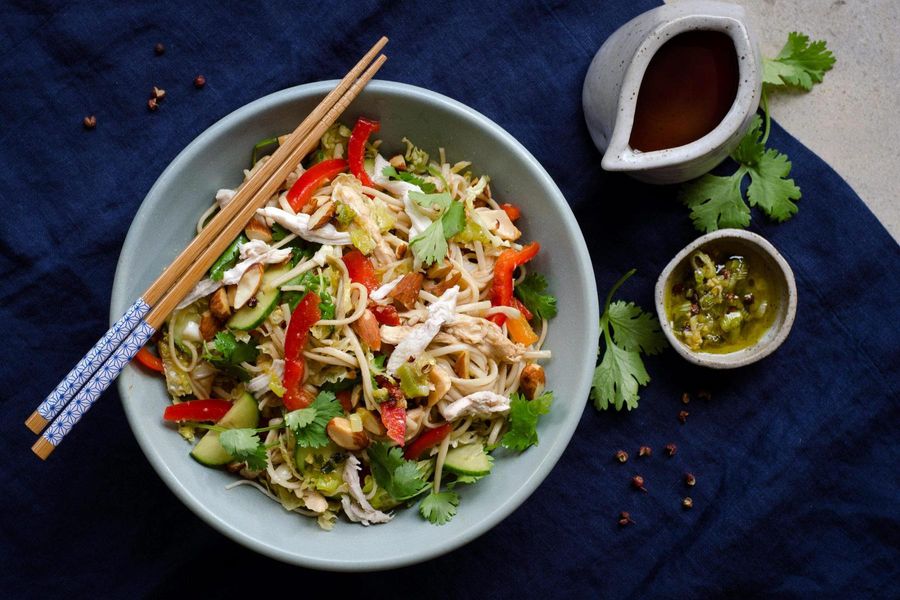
334,353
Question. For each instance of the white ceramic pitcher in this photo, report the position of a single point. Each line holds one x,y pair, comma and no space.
614,78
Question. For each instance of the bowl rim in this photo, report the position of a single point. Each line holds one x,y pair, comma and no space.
582,375
744,356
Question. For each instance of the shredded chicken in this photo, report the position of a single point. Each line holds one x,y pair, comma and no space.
224,196
299,224
486,336
253,252
355,504
414,343
479,403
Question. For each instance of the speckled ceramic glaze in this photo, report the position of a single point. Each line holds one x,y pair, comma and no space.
757,248
611,88
166,222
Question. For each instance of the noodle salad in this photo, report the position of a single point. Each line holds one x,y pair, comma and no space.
368,341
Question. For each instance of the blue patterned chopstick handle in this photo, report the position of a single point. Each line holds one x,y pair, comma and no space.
97,355
101,379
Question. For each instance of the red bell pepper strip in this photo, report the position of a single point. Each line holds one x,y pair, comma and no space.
312,179
344,397
429,439
512,211
393,417
361,270
197,410
502,290
516,303
385,315
356,148
149,360
302,319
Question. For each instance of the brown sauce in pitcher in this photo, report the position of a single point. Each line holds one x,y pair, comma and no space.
688,87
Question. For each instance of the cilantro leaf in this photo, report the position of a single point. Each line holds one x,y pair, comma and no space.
716,202
800,63
312,282
392,173
465,479
279,232
617,378
376,365
399,477
300,418
439,508
523,419
225,344
454,219
634,330
432,202
298,253
769,189
530,292
430,246
621,371
230,353
751,147
312,435
244,444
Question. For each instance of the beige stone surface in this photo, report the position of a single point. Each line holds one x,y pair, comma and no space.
852,119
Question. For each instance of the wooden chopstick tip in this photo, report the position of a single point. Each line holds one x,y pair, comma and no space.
36,422
43,448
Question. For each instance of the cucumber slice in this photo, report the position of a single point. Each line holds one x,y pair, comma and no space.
244,413
266,300
470,459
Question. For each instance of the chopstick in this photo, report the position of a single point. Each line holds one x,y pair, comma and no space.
102,350
105,361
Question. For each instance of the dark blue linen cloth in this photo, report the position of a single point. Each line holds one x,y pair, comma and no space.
795,457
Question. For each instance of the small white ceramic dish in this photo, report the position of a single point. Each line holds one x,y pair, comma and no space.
756,248
609,96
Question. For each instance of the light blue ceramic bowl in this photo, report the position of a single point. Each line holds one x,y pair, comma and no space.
164,225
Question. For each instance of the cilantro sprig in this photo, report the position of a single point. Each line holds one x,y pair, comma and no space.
531,293
391,173
800,63
523,419
307,424
627,332
430,246
716,201
399,477
244,444
228,353
439,507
